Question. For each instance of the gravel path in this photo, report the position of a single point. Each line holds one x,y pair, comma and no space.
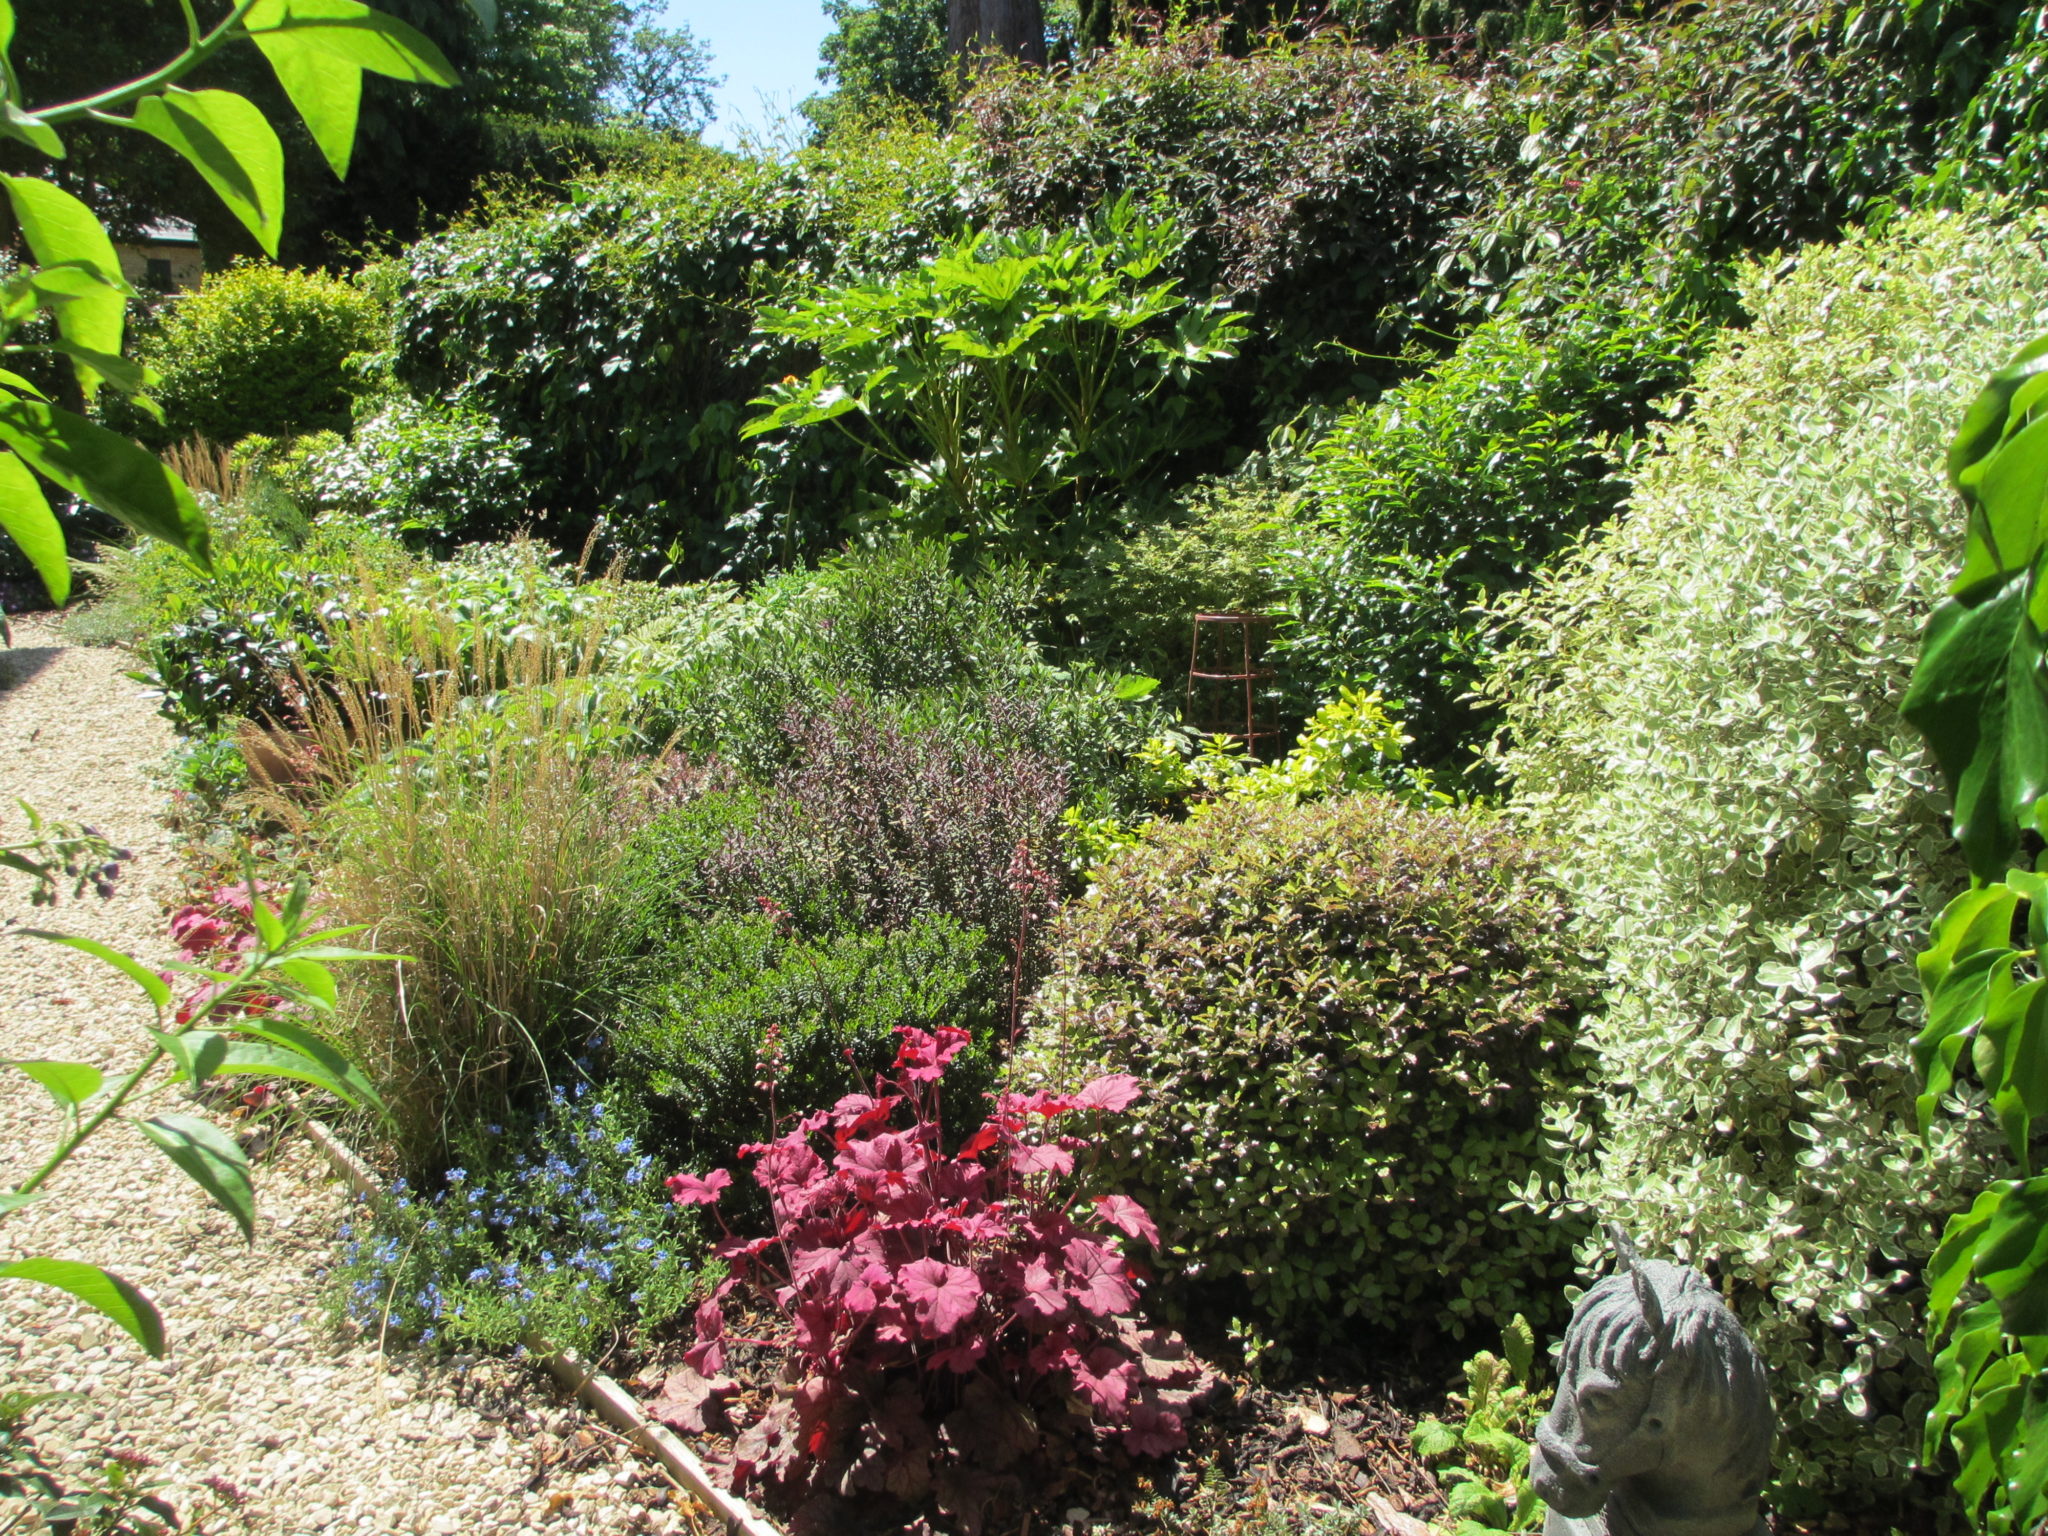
258,1387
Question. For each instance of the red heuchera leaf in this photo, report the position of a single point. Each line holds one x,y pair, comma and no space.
1028,1159
688,1189
944,1295
1128,1217
1096,1279
1040,1294
1153,1431
978,1143
1119,1091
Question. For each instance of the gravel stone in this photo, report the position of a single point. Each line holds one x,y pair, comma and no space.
260,1387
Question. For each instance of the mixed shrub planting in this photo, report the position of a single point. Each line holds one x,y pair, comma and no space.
1702,719
723,621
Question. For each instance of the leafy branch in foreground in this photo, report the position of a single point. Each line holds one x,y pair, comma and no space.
56,851
319,50
1978,695
238,1022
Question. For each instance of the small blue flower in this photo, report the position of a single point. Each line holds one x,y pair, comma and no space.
457,1175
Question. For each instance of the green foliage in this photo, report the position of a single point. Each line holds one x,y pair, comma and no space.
1129,603
1978,697
433,474
261,349
729,991
1701,718
1349,1016
1463,483
881,55
1483,1458
611,338
897,628
1011,380
1696,134
220,647
1313,181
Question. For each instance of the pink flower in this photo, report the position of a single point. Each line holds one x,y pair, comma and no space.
688,1189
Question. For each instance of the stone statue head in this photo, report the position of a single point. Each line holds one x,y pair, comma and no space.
1663,1413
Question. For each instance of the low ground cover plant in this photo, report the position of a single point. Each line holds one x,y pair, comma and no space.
1350,1016
552,1222
950,1310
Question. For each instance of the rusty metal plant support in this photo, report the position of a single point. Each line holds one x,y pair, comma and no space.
1247,676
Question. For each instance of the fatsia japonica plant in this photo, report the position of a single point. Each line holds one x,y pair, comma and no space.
1980,696
319,50
259,1019
1013,377
947,1313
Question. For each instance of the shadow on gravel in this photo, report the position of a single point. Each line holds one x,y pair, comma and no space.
21,663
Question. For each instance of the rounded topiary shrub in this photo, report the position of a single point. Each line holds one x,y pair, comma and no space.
1349,1016
261,349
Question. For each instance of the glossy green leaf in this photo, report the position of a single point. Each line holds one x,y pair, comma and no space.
198,1053
227,140
1977,696
350,33
2012,1257
328,92
211,1160
30,129
70,1083
1982,1433
26,516
60,230
108,471
127,965
102,1290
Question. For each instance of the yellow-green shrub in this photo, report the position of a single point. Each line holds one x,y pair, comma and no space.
1349,1016
261,349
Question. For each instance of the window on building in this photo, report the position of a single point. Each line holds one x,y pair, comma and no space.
157,273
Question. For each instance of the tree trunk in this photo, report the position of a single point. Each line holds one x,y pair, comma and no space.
1013,27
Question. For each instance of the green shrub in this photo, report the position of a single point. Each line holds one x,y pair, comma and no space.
896,626
1015,384
1314,181
610,340
692,1043
1349,1016
1129,604
1464,482
1702,718
261,349
434,474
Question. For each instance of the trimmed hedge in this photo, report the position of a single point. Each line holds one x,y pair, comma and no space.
261,349
1350,1017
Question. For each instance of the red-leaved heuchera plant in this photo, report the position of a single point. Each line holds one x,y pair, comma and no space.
949,1313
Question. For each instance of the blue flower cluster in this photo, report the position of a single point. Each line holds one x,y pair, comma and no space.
558,1225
